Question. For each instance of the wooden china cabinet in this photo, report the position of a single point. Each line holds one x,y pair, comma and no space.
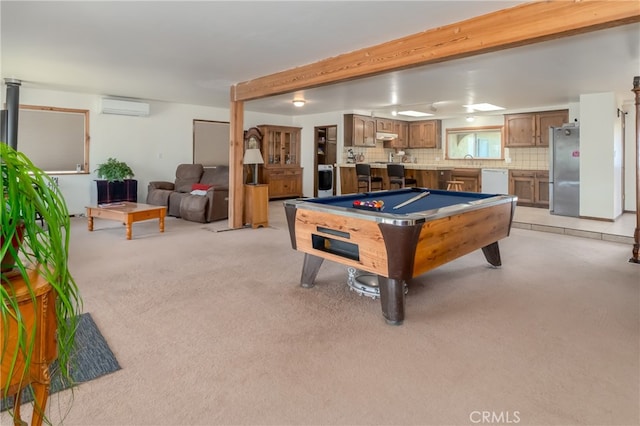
281,154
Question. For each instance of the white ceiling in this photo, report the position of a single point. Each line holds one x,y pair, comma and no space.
192,52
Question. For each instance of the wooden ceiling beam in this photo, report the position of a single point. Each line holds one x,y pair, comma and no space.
517,26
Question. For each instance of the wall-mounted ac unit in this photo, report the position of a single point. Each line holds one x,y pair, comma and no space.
122,107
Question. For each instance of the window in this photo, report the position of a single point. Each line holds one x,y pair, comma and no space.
474,142
55,139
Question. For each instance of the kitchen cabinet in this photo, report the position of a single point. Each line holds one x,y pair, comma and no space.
425,178
470,177
530,186
359,130
425,134
532,129
442,177
400,128
281,154
348,180
384,125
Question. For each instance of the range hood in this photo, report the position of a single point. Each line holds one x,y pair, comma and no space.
381,136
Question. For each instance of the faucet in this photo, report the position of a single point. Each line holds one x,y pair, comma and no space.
469,156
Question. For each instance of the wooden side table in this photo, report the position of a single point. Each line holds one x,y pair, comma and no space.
256,205
41,314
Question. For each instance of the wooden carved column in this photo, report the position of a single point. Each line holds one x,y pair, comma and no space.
636,234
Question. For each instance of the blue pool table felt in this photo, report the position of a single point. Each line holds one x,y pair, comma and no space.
435,200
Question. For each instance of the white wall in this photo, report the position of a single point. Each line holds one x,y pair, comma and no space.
152,146
630,157
600,157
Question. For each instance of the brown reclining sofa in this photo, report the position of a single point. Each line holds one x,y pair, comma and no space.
199,194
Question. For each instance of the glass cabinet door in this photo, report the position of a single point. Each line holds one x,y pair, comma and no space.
290,148
282,145
275,147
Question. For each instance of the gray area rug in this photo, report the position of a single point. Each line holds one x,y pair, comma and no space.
92,359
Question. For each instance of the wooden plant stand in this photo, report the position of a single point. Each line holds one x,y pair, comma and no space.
40,319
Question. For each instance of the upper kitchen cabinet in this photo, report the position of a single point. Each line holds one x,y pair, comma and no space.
532,129
384,125
359,130
425,134
281,154
400,128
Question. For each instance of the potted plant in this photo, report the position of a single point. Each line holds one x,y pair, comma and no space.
116,184
33,253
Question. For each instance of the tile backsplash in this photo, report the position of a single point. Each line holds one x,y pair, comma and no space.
520,158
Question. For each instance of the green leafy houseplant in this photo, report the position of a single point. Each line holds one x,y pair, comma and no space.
28,195
114,170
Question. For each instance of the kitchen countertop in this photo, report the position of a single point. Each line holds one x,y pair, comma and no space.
421,166
410,166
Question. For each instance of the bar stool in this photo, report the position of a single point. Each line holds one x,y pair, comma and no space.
397,177
364,176
454,185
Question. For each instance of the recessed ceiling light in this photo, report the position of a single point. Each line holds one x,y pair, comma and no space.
482,107
411,113
470,118
298,102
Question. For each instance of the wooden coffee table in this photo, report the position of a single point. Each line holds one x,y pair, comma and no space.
127,213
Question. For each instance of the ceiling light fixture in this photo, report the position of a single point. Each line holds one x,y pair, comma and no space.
411,113
482,107
298,102
470,118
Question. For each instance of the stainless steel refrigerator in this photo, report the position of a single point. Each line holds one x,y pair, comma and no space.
564,170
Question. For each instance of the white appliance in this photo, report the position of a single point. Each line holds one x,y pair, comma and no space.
124,107
495,181
325,180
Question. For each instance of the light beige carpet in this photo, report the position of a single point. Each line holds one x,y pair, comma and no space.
212,328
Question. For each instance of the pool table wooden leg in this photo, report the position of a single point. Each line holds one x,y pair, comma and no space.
392,299
310,269
492,254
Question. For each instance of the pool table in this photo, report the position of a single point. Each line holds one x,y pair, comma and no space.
397,244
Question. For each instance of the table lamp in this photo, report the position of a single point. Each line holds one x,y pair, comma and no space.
253,156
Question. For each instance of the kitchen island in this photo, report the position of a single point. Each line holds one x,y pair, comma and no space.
427,176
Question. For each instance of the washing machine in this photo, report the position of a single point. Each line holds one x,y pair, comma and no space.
325,180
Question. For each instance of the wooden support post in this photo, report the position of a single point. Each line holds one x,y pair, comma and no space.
236,153
636,234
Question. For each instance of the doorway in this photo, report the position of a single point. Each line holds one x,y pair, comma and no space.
325,149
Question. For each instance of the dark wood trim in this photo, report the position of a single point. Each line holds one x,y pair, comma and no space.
636,235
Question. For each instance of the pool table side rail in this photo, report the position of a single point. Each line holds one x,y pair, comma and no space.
451,237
